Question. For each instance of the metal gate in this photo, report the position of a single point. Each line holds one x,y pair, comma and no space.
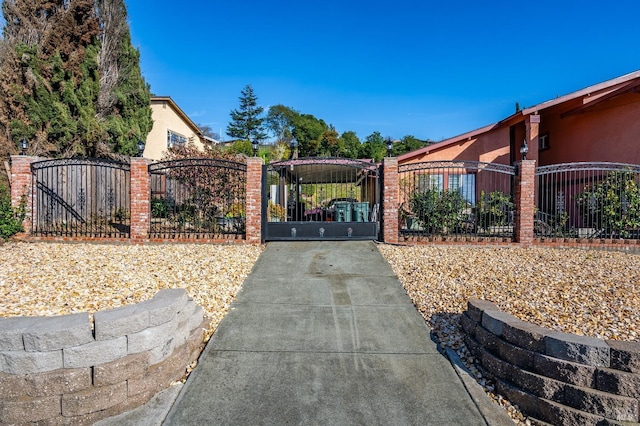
81,197
321,199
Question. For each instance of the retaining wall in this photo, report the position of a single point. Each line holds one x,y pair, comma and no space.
554,377
58,370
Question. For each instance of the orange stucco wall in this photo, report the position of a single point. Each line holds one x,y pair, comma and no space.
490,147
609,131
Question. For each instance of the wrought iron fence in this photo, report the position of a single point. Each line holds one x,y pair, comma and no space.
457,198
588,200
81,197
197,198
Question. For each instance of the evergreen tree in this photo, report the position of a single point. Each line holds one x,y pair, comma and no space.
124,100
246,122
52,89
49,97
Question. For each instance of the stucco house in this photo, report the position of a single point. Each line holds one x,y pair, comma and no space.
598,123
171,126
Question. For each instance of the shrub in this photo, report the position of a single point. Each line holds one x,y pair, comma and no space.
438,211
612,204
10,218
160,207
493,209
276,211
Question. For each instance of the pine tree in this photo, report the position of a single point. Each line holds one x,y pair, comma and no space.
246,122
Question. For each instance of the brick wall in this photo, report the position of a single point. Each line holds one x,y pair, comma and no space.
524,200
140,199
21,184
57,370
253,201
555,377
390,200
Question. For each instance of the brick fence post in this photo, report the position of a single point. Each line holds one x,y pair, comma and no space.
525,201
21,184
390,200
140,199
253,202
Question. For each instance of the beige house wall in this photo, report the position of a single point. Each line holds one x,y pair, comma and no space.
167,116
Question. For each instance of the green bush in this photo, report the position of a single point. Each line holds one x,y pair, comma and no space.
612,204
160,207
438,211
493,209
10,218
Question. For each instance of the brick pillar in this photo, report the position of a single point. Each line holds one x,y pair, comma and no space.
140,199
21,184
532,131
390,200
253,202
525,201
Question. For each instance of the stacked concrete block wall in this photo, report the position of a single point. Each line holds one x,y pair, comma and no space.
60,370
554,377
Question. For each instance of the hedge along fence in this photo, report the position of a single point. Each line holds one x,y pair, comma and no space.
555,377
59,370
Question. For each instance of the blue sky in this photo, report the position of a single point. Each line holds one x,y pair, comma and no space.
428,69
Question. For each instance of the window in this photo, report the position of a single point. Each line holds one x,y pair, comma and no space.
543,142
175,139
429,182
465,184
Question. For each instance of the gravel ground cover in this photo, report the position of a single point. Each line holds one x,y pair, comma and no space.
585,292
45,279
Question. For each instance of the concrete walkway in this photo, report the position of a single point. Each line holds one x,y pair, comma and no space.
323,333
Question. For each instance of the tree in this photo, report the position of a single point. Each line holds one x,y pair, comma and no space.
330,142
374,147
207,130
350,144
124,100
50,79
70,80
407,144
246,122
308,131
280,120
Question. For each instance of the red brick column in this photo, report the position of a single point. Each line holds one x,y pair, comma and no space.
21,184
253,201
390,200
524,198
140,199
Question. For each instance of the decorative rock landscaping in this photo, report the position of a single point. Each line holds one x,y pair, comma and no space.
61,371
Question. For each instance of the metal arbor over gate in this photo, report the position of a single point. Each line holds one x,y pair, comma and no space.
321,198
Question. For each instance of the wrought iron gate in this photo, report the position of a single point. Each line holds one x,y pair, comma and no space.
321,198
81,197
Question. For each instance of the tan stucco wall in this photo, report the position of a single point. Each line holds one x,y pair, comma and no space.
165,118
